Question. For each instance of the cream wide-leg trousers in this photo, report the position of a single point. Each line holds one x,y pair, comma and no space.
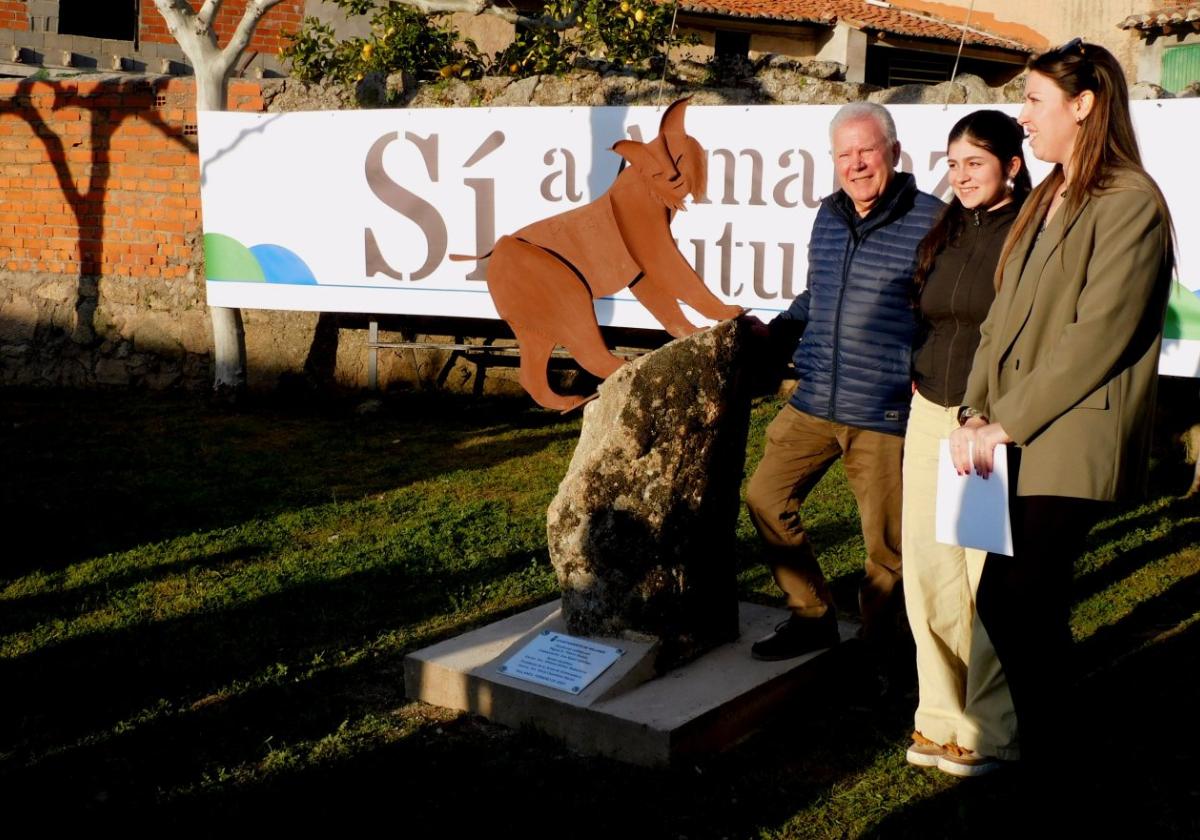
964,698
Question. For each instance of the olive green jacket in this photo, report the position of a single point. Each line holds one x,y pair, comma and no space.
1068,357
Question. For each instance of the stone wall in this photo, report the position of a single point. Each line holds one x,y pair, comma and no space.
101,275
70,331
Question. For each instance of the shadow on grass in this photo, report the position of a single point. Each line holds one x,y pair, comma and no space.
62,692
26,612
1175,536
1143,625
449,774
467,776
133,768
179,464
1127,775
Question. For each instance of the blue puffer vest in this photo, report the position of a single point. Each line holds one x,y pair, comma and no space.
854,359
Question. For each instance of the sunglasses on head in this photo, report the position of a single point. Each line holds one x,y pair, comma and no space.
1074,45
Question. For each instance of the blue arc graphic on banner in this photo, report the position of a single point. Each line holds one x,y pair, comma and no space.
280,265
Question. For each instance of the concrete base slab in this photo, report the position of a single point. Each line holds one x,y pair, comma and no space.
626,714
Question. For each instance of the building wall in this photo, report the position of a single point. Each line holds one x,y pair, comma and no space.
99,232
1150,59
344,26
268,35
700,52
490,33
99,177
799,45
1093,20
31,29
1047,24
847,45
101,256
14,14
795,46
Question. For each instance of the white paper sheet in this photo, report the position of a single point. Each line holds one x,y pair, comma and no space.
972,511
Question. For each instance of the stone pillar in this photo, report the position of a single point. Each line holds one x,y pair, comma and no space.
642,530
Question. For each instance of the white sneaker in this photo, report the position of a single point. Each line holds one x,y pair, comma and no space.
966,763
923,752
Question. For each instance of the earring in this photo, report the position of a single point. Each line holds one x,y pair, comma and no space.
1009,185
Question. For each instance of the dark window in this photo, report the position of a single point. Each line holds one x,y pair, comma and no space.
732,44
112,19
891,66
888,67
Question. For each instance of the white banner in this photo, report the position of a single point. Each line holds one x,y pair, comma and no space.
358,211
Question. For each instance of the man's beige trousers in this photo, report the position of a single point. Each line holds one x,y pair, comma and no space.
800,448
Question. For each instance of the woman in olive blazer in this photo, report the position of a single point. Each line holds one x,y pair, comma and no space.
1066,369
1067,362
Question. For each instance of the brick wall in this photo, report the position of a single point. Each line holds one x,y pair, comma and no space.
100,177
268,36
14,15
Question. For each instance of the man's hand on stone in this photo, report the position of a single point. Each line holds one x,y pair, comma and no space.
757,328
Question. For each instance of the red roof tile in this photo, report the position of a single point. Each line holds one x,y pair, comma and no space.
874,16
1170,13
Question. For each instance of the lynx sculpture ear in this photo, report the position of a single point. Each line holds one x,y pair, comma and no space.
637,156
672,120
685,152
668,185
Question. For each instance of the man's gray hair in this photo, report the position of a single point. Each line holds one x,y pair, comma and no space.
853,111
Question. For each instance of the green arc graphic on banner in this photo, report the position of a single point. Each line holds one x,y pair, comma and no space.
227,259
1183,314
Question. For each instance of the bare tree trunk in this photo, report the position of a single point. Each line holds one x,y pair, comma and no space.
194,33
229,349
229,336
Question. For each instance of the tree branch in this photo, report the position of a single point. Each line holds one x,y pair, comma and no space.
177,14
255,9
489,7
207,12
196,40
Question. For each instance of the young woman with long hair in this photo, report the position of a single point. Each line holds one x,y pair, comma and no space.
964,719
1066,370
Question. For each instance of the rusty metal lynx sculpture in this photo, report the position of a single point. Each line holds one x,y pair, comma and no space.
544,277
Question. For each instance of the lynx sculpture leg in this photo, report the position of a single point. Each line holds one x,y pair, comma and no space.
546,303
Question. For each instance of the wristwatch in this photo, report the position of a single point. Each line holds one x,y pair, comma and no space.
965,413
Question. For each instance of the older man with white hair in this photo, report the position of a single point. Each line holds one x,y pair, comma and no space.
855,325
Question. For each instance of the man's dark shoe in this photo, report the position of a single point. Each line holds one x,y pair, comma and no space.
796,637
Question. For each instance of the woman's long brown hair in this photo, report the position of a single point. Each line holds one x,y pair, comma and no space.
1105,145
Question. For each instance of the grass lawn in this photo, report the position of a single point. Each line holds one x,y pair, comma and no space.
204,613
